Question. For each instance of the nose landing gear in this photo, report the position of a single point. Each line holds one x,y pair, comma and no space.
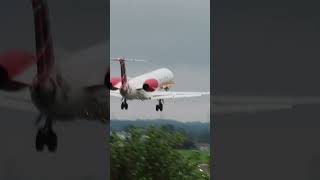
46,136
160,105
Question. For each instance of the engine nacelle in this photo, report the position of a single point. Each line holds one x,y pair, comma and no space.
114,82
106,79
13,63
4,76
150,85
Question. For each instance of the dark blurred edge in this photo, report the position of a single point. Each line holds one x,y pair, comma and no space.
211,91
108,94
283,144
56,29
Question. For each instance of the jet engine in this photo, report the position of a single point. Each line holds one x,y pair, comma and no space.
13,63
150,85
114,82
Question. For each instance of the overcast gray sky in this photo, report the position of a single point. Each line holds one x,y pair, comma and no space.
168,33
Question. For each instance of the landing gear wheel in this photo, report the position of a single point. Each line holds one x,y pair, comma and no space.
160,107
124,105
46,136
52,141
40,140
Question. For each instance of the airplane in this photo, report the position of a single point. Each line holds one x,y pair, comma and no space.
153,85
58,92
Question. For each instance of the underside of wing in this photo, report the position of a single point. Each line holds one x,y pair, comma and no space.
174,95
20,101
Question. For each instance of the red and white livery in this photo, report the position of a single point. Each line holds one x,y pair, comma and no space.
154,85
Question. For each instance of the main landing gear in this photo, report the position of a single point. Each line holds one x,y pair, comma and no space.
124,104
46,136
160,105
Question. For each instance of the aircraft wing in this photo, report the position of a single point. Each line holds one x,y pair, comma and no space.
115,94
174,95
17,101
252,104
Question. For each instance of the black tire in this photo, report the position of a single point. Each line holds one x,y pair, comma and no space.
122,106
52,141
40,140
157,107
160,107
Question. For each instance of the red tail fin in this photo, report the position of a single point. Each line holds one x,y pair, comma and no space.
44,47
124,80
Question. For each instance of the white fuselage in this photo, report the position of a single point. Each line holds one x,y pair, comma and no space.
163,77
71,99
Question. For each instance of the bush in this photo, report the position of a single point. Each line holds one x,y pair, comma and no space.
149,154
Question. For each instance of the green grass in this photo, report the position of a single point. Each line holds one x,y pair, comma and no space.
204,156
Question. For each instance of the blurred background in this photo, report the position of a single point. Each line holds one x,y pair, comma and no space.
266,48
82,145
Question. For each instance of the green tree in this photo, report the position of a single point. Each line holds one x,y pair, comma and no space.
149,154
